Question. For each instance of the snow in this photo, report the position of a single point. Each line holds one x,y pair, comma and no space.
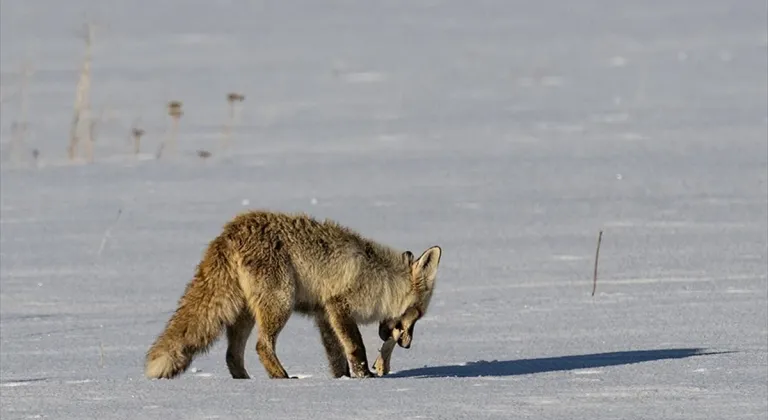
507,132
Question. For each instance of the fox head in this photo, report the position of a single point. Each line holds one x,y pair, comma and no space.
423,273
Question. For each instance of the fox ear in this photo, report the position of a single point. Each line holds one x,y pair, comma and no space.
408,257
426,265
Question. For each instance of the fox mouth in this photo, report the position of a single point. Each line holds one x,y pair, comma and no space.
393,331
401,338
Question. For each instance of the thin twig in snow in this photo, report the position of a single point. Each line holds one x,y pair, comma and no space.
597,255
108,232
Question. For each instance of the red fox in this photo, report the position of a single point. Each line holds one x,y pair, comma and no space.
266,265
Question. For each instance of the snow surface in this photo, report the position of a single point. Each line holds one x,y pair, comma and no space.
507,132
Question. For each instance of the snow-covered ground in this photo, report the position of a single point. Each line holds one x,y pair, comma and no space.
508,132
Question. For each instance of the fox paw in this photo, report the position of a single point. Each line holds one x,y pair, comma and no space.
380,367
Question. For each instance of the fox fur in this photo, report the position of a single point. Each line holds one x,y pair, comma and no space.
266,265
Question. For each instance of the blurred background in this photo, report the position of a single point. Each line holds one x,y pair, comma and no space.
508,132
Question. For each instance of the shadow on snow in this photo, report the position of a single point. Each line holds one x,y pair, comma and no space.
549,364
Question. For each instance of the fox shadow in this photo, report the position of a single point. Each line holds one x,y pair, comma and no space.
549,364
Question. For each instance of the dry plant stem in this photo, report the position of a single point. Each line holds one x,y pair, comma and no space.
16,140
597,256
382,363
228,126
175,112
20,128
136,133
159,152
232,99
90,139
73,137
174,134
82,99
108,232
171,139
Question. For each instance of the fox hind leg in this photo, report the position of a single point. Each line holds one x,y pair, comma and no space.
333,348
271,316
269,291
237,336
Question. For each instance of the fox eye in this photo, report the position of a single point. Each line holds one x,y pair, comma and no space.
399,325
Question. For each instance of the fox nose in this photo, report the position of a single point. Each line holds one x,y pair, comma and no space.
404,341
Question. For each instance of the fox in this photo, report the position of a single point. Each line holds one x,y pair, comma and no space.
266,265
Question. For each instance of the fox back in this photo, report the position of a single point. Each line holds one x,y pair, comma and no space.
322,260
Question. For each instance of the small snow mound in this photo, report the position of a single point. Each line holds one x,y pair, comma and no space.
79,381
384,203
587,372
13,384
468,205
633,136
569,257
20,382
551,81
365,77
392,138
618,61
525,81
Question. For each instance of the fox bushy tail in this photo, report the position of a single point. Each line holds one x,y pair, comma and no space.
211,301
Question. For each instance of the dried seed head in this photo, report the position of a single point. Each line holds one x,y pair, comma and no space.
235,97
174,109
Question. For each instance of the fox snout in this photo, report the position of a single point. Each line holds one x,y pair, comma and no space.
394,329
404,340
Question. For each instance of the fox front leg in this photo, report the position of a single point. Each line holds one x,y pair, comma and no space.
351,340
382,363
